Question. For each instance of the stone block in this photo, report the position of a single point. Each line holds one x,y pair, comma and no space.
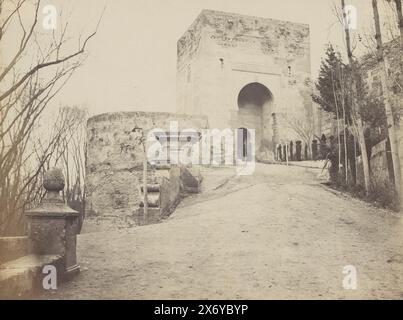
22,278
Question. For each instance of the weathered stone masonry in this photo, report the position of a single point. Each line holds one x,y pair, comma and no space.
246,72
115,158
370,68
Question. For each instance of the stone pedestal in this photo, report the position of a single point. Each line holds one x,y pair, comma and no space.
53,226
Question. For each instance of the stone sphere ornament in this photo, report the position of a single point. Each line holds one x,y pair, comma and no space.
53,180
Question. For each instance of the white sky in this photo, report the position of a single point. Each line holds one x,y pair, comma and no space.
132,61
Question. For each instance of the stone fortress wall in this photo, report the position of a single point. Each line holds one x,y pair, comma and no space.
233,71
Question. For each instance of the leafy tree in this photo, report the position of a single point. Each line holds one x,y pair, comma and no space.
331,82
334,95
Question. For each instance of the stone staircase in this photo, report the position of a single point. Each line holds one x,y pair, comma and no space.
154,206
170,184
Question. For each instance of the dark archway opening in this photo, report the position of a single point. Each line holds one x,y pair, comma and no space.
253,95
254,103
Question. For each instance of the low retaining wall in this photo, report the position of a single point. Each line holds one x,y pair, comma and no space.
381,167
13,247
170,191
23,277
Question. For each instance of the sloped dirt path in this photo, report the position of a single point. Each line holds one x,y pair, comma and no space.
277,234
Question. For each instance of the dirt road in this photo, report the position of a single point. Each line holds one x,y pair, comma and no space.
277,234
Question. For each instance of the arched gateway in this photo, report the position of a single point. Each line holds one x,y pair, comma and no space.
254,101
245,72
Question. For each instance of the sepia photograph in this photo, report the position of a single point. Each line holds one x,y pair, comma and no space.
201,150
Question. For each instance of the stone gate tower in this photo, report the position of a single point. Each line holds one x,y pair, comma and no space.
246,72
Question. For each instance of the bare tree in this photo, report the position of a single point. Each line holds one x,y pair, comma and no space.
25,92
68,153
356,106
398,5
302,126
